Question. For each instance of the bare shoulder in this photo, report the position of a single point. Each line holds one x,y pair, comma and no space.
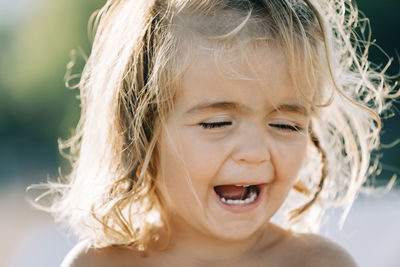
320,251
81,255
308,250
84,255
76,255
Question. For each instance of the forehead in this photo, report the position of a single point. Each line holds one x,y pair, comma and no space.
234,75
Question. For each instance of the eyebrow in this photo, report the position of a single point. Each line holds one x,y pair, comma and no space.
223,105
294,108
209,106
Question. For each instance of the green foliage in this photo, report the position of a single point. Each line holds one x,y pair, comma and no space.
35,106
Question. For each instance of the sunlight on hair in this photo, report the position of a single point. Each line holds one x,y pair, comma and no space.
141,50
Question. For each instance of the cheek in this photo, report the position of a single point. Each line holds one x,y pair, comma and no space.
188,165
287,161
202,158
290,156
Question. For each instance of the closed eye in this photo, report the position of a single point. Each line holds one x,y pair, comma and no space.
212,125
286,127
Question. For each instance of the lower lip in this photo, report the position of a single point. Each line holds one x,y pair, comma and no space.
243,207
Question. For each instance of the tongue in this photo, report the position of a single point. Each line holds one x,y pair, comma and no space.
231,191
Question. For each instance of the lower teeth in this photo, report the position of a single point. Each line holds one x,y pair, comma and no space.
251,198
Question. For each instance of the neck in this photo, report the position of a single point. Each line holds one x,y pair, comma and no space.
196,245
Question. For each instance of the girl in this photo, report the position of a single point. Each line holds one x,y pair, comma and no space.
201,117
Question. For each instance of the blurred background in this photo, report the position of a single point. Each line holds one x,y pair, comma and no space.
36,37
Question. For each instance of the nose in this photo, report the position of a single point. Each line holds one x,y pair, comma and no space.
252,147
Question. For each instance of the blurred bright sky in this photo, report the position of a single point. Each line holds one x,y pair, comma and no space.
12,11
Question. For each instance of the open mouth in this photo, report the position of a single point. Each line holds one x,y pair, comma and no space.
238,194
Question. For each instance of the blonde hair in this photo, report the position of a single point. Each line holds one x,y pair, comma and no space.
140,52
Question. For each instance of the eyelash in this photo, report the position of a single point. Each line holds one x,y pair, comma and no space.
212,125
287,127
220,124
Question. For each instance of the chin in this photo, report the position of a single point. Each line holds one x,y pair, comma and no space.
237,230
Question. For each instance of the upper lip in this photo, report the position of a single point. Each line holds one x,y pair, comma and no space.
243,177
243,183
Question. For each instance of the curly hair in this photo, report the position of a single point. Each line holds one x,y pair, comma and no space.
141,50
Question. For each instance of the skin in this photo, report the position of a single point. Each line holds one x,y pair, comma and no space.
225,130
253,140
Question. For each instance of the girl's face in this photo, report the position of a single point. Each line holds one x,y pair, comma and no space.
232,147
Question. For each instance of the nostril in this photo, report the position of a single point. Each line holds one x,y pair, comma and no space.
252,158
